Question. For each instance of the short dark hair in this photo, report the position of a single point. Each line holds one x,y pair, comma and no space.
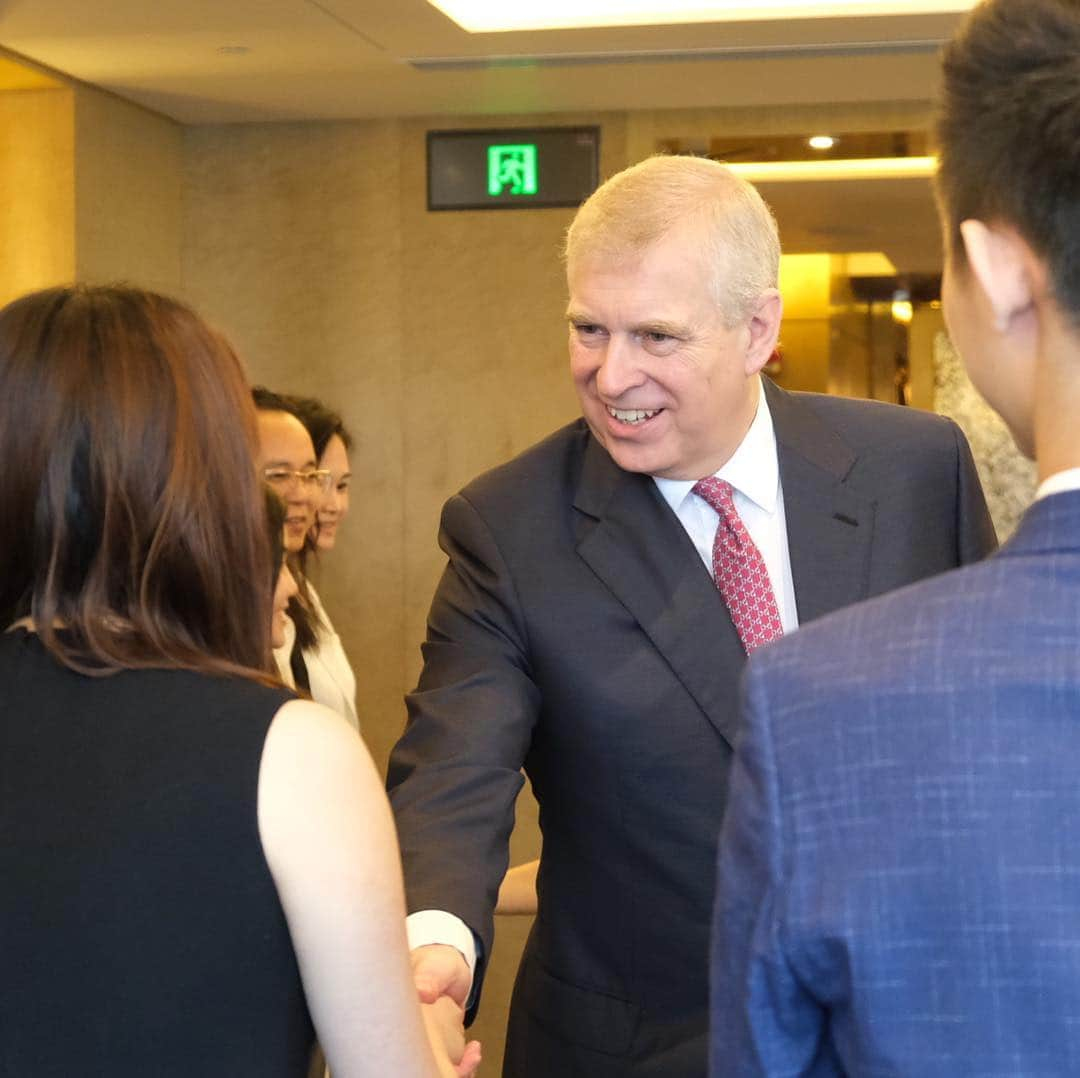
266,400
1009,131
133,526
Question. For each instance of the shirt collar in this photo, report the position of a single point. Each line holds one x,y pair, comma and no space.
1058,483
753,469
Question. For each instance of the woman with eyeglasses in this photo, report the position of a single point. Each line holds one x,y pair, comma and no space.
312,657
196,866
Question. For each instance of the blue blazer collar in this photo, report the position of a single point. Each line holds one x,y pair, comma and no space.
1051,525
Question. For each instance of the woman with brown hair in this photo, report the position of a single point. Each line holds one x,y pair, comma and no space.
196,866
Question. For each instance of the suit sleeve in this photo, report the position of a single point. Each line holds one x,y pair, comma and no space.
456,772
764,1021
975,530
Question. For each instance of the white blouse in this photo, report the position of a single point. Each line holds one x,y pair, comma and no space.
332,680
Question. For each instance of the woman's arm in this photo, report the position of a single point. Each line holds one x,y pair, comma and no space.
329,841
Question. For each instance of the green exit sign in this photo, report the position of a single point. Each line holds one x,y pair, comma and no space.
512,168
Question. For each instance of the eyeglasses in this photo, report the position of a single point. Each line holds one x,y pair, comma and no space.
283,478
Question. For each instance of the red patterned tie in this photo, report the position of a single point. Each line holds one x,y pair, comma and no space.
739,570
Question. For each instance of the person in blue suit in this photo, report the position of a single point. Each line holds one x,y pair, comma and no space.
899,866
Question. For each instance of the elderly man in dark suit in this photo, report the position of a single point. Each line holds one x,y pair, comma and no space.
899,870
601,595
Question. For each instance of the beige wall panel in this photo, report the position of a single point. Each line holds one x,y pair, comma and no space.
37,203
128,193
292,247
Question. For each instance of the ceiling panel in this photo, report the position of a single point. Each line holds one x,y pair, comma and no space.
338,59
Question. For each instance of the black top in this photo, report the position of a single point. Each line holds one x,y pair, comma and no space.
140,929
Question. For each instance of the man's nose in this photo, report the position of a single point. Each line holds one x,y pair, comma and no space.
620,369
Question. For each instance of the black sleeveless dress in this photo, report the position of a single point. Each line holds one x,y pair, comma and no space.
140,930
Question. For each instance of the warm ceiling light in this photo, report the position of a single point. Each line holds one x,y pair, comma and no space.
863,168
821,142
483,16
901,309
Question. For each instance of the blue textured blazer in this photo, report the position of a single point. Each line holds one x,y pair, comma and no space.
899,869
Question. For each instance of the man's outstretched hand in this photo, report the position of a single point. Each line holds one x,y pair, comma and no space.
443,980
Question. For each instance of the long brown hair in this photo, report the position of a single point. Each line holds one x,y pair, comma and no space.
132,520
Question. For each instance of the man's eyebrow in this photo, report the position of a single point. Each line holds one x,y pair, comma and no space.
670,329
573,314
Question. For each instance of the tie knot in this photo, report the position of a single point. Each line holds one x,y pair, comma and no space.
717,493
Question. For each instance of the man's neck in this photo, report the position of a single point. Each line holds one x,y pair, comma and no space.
1057,400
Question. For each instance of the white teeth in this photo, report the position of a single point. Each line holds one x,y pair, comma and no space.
631,415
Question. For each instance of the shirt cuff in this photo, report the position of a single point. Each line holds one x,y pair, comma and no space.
438,926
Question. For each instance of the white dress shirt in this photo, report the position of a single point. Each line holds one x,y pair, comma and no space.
330,677
754,472
1059,483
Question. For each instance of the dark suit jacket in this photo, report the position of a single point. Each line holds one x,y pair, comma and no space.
576,632
899,868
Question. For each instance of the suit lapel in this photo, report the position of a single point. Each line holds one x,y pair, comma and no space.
830,527
635,545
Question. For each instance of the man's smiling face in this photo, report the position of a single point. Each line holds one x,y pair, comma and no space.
665,386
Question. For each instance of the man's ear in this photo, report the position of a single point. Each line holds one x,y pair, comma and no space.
1003,266
764,328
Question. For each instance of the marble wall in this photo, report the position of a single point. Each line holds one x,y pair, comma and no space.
1008,477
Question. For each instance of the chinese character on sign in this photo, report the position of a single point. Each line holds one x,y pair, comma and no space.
512,169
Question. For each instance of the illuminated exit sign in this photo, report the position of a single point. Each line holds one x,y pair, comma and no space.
512,168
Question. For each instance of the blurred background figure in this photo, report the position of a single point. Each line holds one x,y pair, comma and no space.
332,444
311,658
196,867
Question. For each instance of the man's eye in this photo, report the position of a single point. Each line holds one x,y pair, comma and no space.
658,343
277,476
586,329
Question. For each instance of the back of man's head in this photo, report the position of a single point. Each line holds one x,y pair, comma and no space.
644,203
1009,131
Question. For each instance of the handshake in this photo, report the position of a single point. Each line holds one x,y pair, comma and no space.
443,980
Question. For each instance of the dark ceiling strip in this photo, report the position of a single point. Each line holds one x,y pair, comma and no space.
652,56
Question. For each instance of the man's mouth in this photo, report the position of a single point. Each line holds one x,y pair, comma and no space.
632,416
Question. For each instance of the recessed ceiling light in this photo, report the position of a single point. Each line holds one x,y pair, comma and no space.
821,142
484,16
233,50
